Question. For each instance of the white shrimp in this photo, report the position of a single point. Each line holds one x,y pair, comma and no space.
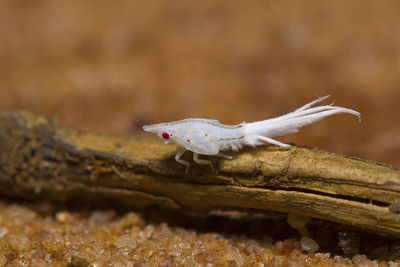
209,137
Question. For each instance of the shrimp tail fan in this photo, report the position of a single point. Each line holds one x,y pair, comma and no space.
256,133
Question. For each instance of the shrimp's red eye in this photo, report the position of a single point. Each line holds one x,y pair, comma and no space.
165,135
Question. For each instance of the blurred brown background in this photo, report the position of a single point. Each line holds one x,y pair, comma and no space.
112,66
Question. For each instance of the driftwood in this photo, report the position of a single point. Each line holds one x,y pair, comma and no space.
39,159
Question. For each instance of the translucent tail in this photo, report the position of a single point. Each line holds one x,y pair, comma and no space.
256,133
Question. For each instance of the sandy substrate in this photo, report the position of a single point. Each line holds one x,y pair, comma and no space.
41,236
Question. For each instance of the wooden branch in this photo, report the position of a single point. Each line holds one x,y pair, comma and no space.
41,159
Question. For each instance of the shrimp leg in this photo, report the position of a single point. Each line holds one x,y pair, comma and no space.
202,161
181,161
271,141
224,156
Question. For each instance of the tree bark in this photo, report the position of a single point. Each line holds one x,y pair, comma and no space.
41,159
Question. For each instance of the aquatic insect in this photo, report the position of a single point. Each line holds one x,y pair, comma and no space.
210,137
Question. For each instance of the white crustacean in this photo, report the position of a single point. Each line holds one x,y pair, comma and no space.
210,137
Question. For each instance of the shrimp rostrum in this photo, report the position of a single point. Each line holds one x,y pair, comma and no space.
210,137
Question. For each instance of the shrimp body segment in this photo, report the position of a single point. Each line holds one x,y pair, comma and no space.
203,136
209,137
